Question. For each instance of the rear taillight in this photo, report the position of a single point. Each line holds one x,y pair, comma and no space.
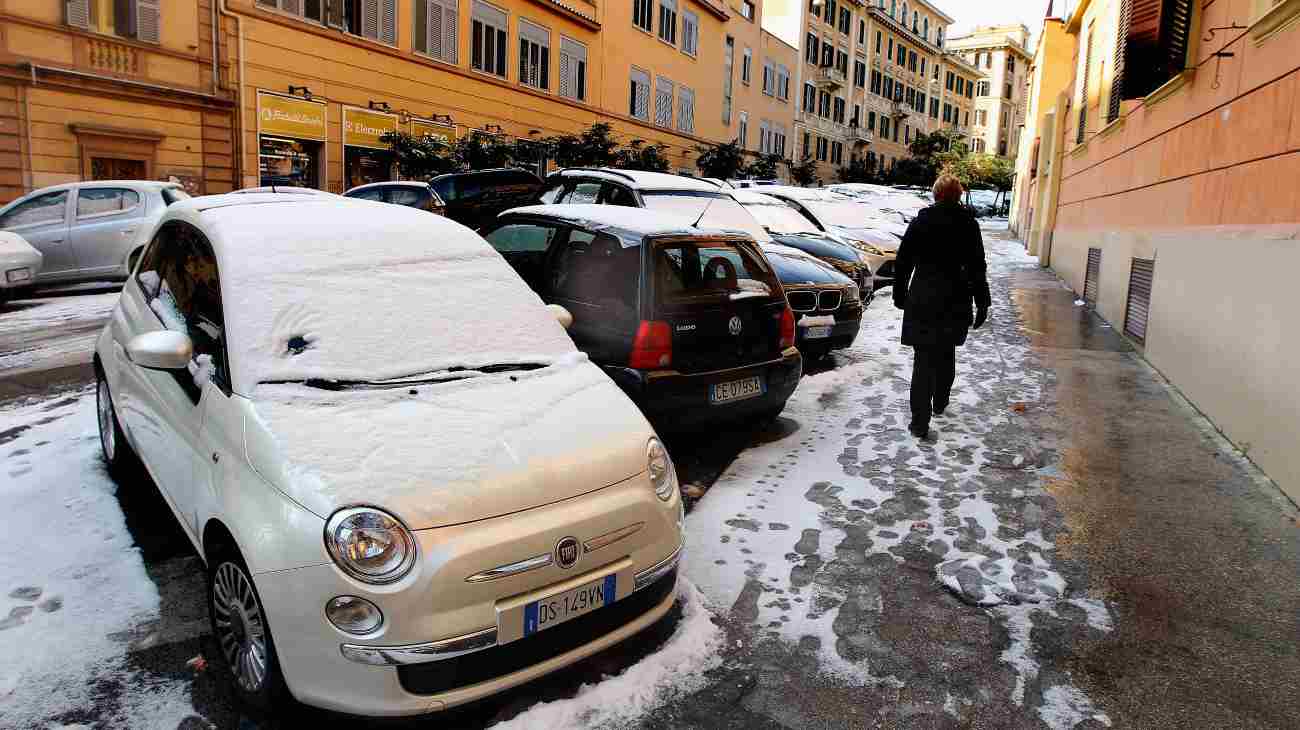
787,328
653,347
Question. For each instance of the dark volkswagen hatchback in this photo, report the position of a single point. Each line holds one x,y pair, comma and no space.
692,324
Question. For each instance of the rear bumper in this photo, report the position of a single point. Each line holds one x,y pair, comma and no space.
674,401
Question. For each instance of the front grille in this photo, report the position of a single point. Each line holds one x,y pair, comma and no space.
829,301
802,301
886,269
435,677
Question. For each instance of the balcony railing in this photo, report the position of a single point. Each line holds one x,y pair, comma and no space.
822,125
830,77
861,135
115,58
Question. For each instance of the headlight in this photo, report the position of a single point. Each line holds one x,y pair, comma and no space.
370,545
662,474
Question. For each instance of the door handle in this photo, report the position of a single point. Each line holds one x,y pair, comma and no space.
128,231
56,240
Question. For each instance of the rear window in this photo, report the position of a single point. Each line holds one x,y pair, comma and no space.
687,271
713,210
174,195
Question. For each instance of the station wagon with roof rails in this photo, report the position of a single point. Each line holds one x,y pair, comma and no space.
693,324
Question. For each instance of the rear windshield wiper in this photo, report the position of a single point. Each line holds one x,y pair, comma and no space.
439,376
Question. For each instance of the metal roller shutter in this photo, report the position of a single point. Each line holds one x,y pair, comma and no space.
1139,298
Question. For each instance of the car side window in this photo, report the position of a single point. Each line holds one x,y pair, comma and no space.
105,201
178,277
368,194
583,192
619,195
522,237
596,270
48,208
552,193
411,197
446,189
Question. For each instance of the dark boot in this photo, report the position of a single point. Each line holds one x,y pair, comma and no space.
918,430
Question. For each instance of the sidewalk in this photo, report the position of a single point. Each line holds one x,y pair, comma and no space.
1078,548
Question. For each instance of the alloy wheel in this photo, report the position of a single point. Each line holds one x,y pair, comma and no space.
240,626
107,421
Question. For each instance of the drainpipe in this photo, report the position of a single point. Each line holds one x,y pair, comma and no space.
216,50
239,94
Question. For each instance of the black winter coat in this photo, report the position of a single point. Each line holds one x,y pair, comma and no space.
939,275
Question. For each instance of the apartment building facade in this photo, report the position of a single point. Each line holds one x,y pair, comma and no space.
104,89
758,84
1000,52
1178,209
872,76
1033,198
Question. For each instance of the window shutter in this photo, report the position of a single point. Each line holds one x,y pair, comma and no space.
450,31
1121,52
147,20
333,12
1175,31
686,110
1092,277
1141,278
370,18
640,94
1083,96
388,21
663,102
572,56
78,13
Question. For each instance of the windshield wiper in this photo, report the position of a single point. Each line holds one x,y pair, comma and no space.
438,376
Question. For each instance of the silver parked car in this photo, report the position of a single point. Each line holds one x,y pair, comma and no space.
89,230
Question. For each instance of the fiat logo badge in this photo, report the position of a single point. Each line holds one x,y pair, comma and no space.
566,552
735,325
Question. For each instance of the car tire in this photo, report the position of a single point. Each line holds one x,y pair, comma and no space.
239,626
118,455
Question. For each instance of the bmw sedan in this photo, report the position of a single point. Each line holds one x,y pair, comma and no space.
405,500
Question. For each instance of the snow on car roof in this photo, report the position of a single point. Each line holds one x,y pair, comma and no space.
642,180
347,289
629,225
748,196
798,193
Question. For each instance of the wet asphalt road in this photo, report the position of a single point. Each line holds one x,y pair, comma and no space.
1195,555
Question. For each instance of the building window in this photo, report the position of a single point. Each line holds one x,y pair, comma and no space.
884,127
859,74
838,114
923,66
769,78
642,14
639,101
862,31
690,33
668,21
746,61
778,140
830,13
982,88
373,19
1006,94
821,149
911,61
889,50
842,61
534,55
783,83
871,121
663,102
810,98
856,119
764,138
837,153
742,137
902,55
811,48
747,10
828,53
488,48
686,110
824,104
728,65
846,21
807,145
573,69
436,24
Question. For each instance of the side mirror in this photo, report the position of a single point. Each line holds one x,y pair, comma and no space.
161,350
562,315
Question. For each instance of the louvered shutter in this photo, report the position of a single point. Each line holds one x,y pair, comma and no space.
370,18
663,102
450,30
1141,277
640,94
1175,34
148,20
686,110
388,22
573,59
78,13
1083,96
1117,91
1092,277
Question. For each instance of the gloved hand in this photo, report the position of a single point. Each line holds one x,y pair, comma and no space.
900,303
981,314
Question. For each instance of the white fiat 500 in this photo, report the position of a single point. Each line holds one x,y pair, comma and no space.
409,488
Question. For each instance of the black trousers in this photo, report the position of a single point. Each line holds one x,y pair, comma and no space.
933,370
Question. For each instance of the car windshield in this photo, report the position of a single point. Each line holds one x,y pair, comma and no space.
719,210
779,218
820,246
793,268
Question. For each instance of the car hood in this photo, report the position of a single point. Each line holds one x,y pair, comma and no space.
454,452
16,251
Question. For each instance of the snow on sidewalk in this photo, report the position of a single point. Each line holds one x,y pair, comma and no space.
72,587
802,536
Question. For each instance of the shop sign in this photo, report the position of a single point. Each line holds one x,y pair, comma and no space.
427,128
363,128
288,116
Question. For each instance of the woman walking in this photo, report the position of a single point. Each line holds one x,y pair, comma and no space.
939,275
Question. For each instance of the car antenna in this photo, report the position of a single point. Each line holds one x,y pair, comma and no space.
703,213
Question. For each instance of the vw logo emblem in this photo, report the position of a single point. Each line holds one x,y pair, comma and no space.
735,326
566,552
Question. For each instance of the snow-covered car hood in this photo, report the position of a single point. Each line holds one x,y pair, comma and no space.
16,252
454,452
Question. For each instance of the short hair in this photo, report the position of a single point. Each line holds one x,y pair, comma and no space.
947,189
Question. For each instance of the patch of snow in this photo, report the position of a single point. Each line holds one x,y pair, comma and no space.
1079,302
1098,614
1064,707
89,592
379,291
52,330
810,321
675,670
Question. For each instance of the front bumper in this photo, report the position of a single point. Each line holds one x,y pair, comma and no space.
842,335
327,668
675,402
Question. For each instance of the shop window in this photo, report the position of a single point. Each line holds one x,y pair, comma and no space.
534,55
136,19
436,24
686,110
573,69
643,14
668,21
488,42
663,102
289,162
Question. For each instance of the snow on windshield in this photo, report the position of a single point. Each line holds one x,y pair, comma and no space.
368,291
780,218
722,212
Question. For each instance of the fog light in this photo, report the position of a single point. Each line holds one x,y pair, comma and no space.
16,275
353,615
